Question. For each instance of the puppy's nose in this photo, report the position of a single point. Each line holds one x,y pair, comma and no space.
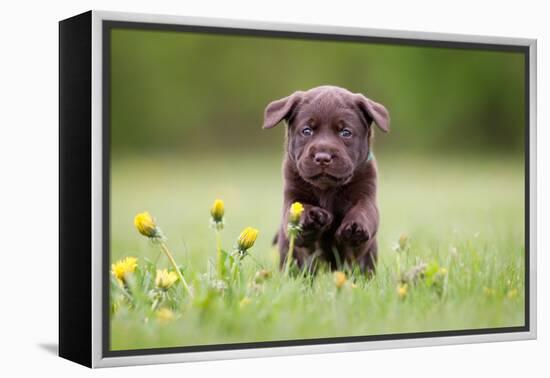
322,158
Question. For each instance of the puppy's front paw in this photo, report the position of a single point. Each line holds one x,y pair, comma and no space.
316,219
352,233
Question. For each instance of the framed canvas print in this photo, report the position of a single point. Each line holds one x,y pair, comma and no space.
234,189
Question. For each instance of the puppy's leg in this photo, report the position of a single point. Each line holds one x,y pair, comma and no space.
314,222
369,257
302,252
356,235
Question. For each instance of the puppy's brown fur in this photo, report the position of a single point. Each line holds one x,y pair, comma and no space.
328,167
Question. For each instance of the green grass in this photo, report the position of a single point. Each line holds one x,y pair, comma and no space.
464,214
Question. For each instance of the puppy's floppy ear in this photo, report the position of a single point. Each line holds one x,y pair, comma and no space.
374,111
278,110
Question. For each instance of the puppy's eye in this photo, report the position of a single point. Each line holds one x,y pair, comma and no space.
307,131
345,133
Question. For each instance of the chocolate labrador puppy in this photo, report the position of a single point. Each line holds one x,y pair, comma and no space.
330,169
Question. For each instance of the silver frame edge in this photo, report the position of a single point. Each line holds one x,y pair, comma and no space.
97,192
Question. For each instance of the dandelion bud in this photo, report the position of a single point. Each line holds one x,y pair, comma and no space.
217,211
165,279
261,276
146,225
164,314
512,294
296,210
340,279
247,238
402,291
453,251
123,267
403,241
244,302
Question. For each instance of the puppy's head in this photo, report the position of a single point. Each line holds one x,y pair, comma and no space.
329,132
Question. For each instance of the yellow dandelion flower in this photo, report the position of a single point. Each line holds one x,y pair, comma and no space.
402,290
165,314
512,293
339,279
244,302
146,225
247,238
165,279
123,267
217,210
296,210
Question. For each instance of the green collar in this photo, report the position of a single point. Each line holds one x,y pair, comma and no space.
370,156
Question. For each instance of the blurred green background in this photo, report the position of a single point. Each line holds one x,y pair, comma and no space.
186,116
188,92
